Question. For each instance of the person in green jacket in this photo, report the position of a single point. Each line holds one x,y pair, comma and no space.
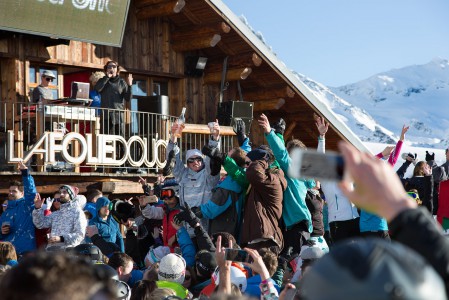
295,214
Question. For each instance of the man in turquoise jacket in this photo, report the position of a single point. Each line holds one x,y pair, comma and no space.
16,222
108,228
296,215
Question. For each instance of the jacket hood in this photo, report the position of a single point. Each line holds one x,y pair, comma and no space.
230,184
102,201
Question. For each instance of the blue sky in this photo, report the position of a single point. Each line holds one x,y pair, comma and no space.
341,42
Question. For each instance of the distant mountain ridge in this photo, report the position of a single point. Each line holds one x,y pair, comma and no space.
376,108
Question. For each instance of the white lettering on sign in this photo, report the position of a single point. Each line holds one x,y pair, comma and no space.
105,152
99,5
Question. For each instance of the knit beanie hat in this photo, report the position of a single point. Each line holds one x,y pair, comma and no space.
155,255
70,190
205,263
172,268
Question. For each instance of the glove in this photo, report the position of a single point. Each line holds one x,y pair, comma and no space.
147,189
279,126
239,129
197,211
286,258
170,165
216,159
429,156
258,154
187,216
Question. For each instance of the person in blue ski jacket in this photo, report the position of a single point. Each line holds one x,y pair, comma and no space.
16,221
108,228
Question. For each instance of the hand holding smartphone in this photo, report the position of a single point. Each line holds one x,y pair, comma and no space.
237,255
327,166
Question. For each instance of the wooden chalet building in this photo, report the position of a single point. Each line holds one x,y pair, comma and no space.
162,43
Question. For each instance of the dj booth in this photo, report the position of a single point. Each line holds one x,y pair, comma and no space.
60,115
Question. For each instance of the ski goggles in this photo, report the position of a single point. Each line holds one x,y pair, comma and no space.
167,193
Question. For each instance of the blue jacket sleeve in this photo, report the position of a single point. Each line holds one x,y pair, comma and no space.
29,187
215,206
186,245
279,150
246,146
119,240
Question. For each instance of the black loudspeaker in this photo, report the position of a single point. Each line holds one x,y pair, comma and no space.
154,104
228,111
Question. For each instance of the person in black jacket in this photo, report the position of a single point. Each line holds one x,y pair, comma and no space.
378,190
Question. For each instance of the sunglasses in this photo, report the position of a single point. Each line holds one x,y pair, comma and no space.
193,159
4,205
49,79
168,193
247,163
111,67
187,277
57,200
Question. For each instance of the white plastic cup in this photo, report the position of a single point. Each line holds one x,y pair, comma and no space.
6,223
211,126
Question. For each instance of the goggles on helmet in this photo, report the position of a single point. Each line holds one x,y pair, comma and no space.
167,193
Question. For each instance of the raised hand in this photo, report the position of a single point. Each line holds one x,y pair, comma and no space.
387,151
38,201
264,123
403,132
321,124
21,166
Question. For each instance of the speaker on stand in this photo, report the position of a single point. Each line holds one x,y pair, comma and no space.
228,111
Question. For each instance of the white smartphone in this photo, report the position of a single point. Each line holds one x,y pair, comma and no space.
327,166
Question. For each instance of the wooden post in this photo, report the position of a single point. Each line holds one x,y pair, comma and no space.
264,94
161,9
266,105
200,42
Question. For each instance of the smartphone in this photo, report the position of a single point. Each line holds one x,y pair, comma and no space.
237,255
327,166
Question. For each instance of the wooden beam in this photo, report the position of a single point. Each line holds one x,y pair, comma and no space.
231,75
261,94
289,130
250,59
121,187
195,31
161,9
204,129
266,105
196,43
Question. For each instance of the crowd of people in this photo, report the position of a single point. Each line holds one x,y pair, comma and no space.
256,232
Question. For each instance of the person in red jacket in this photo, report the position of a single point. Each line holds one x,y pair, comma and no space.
165,212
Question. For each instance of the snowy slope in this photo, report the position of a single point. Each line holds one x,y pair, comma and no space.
416,95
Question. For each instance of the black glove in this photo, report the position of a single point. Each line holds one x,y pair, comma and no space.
286,258
216,159
197,211
170,165
279,126
187,216
147,189
239,129
429,156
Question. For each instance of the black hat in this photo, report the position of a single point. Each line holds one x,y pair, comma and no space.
205,263
371,269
